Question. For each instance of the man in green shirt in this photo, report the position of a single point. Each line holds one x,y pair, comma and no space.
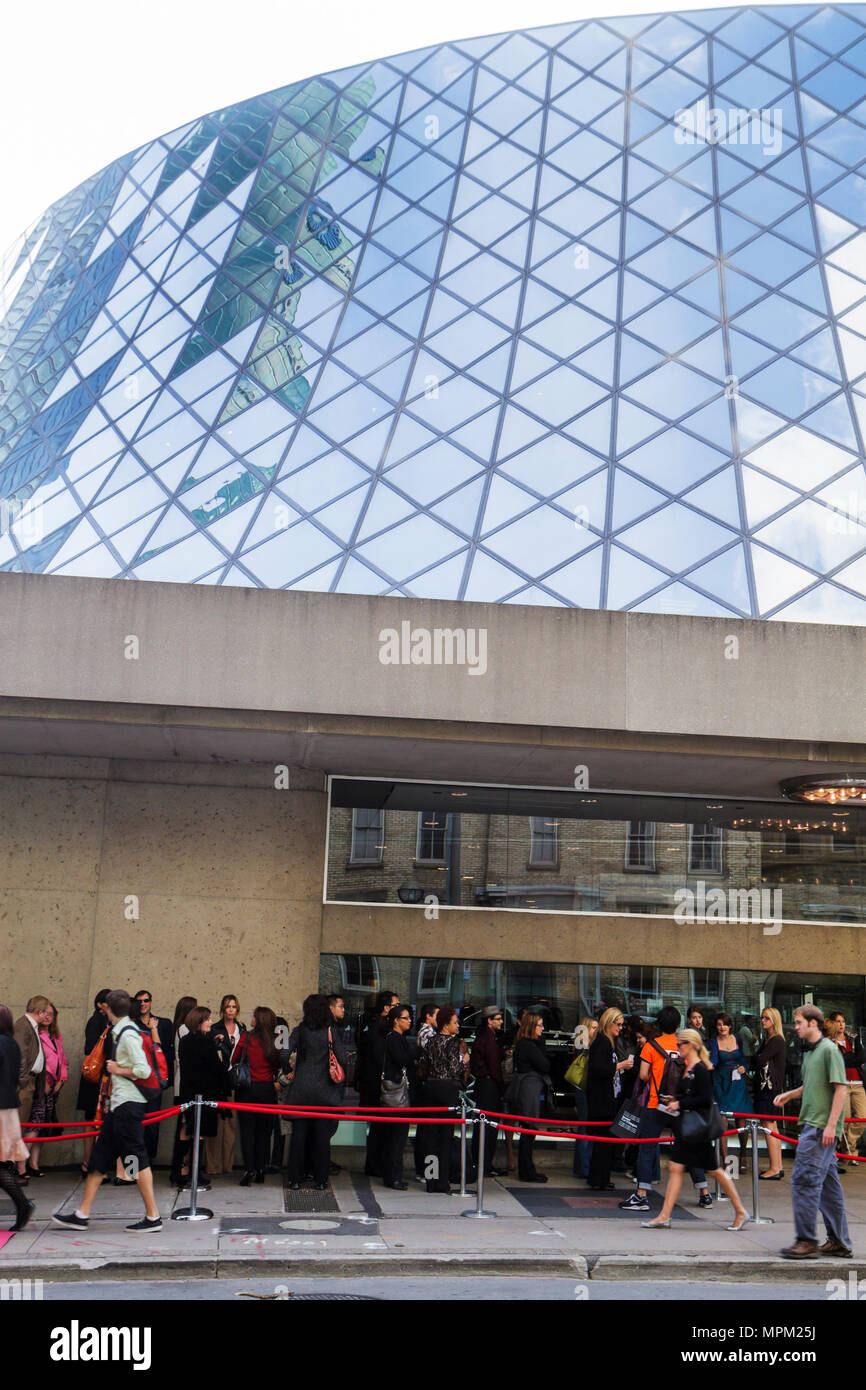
122,1133
815,1180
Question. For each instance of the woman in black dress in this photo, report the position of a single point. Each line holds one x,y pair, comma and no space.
526,1090
768,1064
202,1073
694,1092
603,1094
88,1091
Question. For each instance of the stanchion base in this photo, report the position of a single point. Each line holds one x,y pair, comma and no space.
762,1221
187,1214
481,1215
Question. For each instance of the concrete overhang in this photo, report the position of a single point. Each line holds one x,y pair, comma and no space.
109,669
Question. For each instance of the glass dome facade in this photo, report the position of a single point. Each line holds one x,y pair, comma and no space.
570,316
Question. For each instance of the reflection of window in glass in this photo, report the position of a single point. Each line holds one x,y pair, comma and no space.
641,979
792,842
431,836
640,845
360,972
544,840
708,984
434,975
368,836
705,849
842,841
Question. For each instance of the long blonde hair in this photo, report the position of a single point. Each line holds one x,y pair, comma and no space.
607,1021
691,1035
776,1018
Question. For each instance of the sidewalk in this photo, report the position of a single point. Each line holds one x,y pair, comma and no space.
560,1228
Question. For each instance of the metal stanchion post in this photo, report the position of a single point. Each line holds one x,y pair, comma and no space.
479,1186
462,1146
758,1219
192,1213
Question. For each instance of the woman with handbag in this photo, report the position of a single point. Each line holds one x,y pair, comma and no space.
531,1076
768,1064
603,1093
203,1074
254,1066
699,1124
220,1150
88,1089
447,1059
319,1074
576,1078
393,1056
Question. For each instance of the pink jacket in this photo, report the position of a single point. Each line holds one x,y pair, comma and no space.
56,1063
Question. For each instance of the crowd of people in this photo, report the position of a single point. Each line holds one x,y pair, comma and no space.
134,1057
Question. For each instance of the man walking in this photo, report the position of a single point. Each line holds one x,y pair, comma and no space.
814,1181
122,1133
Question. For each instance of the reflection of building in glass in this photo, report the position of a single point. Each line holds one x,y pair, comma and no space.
562,865
502,319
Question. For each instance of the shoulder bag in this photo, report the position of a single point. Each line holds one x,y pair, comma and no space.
394,1093
701,1126
239,1071
338,1075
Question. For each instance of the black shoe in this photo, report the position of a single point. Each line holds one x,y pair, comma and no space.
148,1223
496,1173
533,1177
605,1187
260,1175
439,1187
294,1187
334,1169
705,1200
33,1172
245,1180
24,1216
323,1186
70,1222
371,1172
398,1186
636,1202
130,1182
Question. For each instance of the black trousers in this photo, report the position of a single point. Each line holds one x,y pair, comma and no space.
310,1143
437,1139
255,1129
600,1162
391,1148
488,1096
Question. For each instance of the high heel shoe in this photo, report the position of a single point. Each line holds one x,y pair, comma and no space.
656,1225
245,1180
260,1175
745,1221
33,1172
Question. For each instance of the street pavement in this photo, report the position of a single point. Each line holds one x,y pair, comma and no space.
558,1232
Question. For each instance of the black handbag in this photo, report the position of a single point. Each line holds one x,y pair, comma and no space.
628,1120
701,1126
393,1092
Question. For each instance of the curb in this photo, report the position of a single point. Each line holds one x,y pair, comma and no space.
304,1267
685,1268
745,1269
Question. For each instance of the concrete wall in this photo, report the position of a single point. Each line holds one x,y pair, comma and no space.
226,870
256,649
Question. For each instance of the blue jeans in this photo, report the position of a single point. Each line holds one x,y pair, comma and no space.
582,1147
815,1186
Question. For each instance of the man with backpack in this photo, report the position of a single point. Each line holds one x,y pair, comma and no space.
661,1066
122,1133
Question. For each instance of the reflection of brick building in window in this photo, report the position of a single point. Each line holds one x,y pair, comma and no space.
537,862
